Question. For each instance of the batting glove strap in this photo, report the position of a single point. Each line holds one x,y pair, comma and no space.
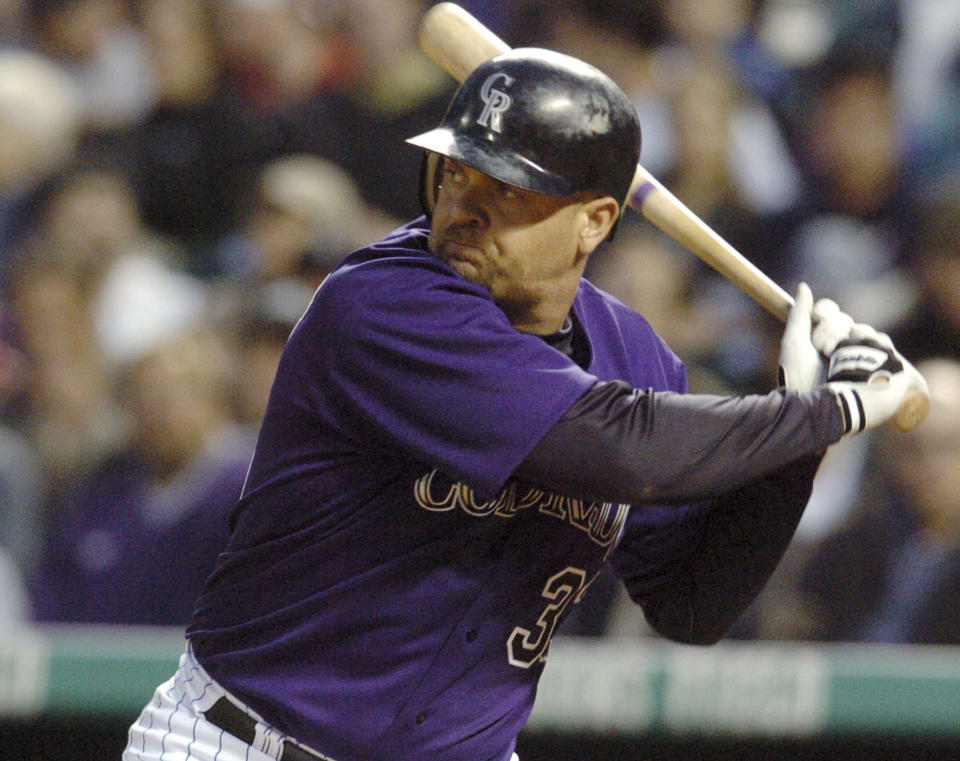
851,410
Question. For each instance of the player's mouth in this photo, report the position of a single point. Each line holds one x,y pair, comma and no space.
455,251
458,250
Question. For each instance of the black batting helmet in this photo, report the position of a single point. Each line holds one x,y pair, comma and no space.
540,120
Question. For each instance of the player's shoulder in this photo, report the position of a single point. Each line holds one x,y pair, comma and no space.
599,304
406,246
396,275
612,323
397,263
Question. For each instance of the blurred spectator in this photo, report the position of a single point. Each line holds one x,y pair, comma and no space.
13,23
735,29
932,327
304,215
95,288
257,319
716,40
850,243
891,572
195,153
729,162
396,92
39,126
713,24
790,39
927,82
72,419
290,63
90,228
95,43
283,52
134,541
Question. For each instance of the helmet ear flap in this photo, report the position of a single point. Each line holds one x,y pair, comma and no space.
430,177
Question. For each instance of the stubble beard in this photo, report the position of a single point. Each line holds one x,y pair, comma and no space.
463,251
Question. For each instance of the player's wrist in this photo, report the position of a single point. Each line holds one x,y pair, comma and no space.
852,414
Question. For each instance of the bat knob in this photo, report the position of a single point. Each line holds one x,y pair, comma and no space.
913,411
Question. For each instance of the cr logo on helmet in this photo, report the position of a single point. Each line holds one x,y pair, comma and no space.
495,102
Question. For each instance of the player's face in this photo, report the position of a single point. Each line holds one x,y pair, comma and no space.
525,248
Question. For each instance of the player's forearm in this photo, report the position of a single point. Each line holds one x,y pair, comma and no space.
618,444
745,534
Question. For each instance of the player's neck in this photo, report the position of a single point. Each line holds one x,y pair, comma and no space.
546,307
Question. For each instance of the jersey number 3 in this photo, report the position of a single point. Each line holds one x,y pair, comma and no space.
526,647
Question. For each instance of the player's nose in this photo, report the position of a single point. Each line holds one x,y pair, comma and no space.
467,201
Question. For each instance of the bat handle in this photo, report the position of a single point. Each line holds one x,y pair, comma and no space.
649,197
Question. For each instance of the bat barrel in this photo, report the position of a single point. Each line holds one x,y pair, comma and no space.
456,41
913,411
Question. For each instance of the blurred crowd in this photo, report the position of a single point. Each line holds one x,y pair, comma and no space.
178,176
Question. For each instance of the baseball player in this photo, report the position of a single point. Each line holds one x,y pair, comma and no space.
462,432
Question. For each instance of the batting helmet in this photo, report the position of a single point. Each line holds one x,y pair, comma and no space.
538,120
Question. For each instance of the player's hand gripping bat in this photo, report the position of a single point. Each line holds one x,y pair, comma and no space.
458,43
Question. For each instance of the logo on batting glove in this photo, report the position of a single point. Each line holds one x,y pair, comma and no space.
861,361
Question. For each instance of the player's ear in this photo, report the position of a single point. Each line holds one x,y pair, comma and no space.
599,217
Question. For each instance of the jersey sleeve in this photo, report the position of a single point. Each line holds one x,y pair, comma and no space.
699,575
416,360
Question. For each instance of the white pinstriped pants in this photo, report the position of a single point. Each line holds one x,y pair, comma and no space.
172,726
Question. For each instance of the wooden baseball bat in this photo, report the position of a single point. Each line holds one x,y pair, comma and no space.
458,43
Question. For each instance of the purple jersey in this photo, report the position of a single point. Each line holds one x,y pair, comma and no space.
388,591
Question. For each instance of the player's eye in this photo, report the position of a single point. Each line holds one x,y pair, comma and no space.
508,192
452,175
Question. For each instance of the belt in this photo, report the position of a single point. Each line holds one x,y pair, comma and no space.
228,717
